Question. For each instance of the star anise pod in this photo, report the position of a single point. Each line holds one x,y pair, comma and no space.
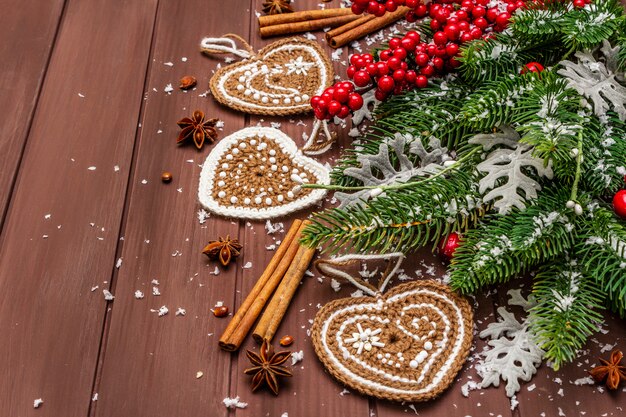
277,6
267,367
197,128
610,371
224,249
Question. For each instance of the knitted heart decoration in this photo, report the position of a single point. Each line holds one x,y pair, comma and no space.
405,345
257,173
279,80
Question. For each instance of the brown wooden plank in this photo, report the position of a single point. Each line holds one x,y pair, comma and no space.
50,320
27,29
149,362
311,392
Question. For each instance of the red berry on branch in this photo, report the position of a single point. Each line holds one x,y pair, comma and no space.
407,44
619,203
351,71
391,6
356,9
413,35
452,49
334,107
440,38
399,53
421,81
380,95
361,78
503,19
341,94
579,4
394,43
492,14
449,245
355,101
421,59
532,67
478,11
344,112
386,84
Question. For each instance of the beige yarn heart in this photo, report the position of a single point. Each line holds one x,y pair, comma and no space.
279,80
405,345
257,173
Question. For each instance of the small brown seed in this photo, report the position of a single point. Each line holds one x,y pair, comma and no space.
286,340
187,82
166,177
220,311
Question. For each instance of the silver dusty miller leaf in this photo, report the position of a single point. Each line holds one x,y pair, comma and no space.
365,112
378,170
596,81
513,354
506,182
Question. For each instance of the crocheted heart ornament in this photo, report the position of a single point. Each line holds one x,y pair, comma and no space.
256,173
279,80
406,345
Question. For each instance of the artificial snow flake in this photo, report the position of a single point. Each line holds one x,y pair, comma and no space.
107,295
373,164
296,357
234,402
513,355
37,403
510,164
298,66
595,80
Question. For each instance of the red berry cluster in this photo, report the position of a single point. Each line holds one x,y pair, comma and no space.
376,7
337,100
409,61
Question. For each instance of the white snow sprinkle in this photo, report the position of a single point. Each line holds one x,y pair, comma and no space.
47,216
169,64
335,285
144,181
156,291
95,397
116,168
138,295
94,288
248,265
199,374
168,89
92,168
180,311
118,263
234,402
107,295
81,95
163,310
296,357
37,403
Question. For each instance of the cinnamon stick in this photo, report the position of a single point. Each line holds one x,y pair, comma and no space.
276,309
250,309
348,26
306,26
279,19
368,27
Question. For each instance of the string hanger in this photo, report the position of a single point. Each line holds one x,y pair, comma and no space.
227,45
330,268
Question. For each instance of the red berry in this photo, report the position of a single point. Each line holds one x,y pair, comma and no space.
354,58
344,112
449,245
398,75
410,76
428,70
381,11
465,37
579,4
319,113
619,203
440,38
394,63
411,3
467,5
348,86
481,23
452,49
394,43
407,44
372,7
326,96
510,8
356,9
362,3
355,101
334,107
421,81
478,11
413,35
421,10
391,6
421,59
438,63
532,67
384,55
315,101
476,33
386,84
372,69
399,53
351,71
463,26
462,16
368,58
452,31
503,19
341,94
383,68
492,14
322,104
435,25
410,16
361,78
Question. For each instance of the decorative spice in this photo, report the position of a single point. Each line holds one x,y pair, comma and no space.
224,249
267,367
197,128
221,311
277,6
286,341
166,177
187,82
611,372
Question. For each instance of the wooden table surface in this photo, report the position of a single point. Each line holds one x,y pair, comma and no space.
85,132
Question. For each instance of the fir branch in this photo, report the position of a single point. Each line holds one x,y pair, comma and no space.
602,251
401,220
587,27
504,246
566,311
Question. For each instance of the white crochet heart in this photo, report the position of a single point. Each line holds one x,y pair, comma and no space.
257,173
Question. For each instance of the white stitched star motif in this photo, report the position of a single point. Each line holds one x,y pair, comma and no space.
299,66
364,339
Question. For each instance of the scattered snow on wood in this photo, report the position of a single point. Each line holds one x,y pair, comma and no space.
180,311
138,295
296,357
118,263
92,168
37,403
234,403
248,265
107,295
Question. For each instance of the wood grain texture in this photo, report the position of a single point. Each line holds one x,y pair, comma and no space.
27,29
149,362
50,321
